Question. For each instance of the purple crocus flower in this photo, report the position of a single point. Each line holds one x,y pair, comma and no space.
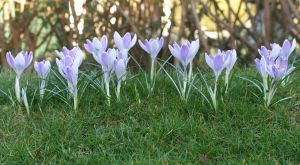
231,57
106,60
42,68
120,65
20,62
287,48
185,53
276,51
95,46
217,62
68,67
125,43
69,63
274,63
279,69
262,66
152,46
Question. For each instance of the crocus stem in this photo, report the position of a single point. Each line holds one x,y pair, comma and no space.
215,93
152,71
265,83
107,92
17,89
190,72
184,82
25,101
270,94
42,88
75,94
227,73
118,90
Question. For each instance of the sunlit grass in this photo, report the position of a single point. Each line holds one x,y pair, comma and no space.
155,129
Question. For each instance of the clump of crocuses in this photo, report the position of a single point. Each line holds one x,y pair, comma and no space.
273,67
43,69
185,55
218,62
112,60
68,64
152,47
19,64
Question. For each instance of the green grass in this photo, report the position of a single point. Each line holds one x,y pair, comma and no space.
160,129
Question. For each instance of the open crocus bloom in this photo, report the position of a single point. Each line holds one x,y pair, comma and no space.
95,46
68,65
280,69
276,51
152,46
186,52
216,62
106,60
20,62
125,43
42,68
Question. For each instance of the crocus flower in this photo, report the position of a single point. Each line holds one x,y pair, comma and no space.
274,64
106,60
287,48
185,53
120,66
19,64
95,46
152,46
276,51
280,69
217,62
262,68
68,66
125,43
231,57
43,69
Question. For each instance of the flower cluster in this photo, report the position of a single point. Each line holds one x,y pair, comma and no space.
112,60
68,63
273,66
218,62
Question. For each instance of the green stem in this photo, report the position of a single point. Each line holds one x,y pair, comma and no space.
75,99
42,88
190,72
118,90
17,89
107,92
215,93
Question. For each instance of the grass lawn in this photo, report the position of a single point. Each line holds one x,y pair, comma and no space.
159,129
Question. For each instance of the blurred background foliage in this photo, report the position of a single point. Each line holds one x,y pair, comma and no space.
43,26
